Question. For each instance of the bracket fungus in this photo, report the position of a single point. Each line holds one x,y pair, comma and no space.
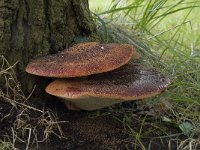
130,82
83,59
110,77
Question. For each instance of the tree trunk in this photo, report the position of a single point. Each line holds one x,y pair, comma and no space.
32,28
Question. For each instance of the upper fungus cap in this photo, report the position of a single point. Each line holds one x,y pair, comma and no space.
83,59
129,82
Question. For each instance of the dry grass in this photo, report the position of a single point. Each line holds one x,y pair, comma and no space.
189,144
26,128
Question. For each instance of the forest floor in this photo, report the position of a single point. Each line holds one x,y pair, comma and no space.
84,130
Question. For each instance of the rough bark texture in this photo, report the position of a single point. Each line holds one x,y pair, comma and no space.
32,28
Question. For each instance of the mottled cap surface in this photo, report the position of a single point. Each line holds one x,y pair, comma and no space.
83,59
130,82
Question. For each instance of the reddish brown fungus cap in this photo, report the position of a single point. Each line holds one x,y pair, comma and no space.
129,82
83,59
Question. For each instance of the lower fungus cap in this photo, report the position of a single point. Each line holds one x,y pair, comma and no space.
129,82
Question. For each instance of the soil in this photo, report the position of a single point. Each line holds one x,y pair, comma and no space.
96,130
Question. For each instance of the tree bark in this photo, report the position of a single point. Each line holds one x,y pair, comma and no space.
32,28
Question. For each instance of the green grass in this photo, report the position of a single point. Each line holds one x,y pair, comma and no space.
99,5
141,15
168,33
